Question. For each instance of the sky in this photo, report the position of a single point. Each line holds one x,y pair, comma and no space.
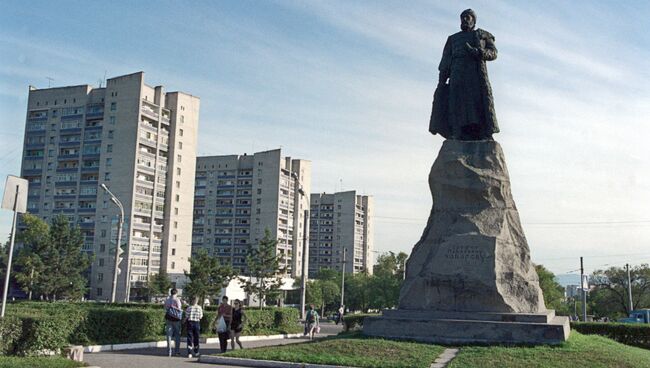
349,84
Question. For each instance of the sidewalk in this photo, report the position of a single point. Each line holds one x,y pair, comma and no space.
157,357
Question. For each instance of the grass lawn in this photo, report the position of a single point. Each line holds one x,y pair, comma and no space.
579,351
351,350
41,362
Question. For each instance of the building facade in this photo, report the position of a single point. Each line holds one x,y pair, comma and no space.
237,197
341,222
140,142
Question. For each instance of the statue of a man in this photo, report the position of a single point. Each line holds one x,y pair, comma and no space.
463,109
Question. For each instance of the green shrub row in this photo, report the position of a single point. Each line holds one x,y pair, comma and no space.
354,321
34,328
635,334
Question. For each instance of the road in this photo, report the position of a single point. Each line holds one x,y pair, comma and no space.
157,357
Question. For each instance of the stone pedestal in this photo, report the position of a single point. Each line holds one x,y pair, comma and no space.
469,278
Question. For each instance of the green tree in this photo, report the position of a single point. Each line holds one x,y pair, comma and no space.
609,296
51,262
207,276
36,242
158,285
357,291
324,294
264,269
65,261
386,281
553,291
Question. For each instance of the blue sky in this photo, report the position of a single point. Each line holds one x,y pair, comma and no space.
349,85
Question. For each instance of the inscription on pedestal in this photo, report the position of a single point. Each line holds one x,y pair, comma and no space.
467,254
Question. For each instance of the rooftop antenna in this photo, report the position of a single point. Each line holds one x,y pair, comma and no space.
104,79
341,181
49,81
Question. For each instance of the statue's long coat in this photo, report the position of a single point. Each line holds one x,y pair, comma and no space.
464,108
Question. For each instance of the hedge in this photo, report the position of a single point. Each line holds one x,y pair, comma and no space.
35,328
354,321
635,334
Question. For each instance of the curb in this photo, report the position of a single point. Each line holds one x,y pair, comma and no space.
163,343
242,362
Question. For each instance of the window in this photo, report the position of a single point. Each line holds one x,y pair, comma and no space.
173,251
178,158
178,170
107,176
173,265
178,198
111,120
113,106
99,291
102,248
175,210
178,184
180,145
110,134
100,277
175,224
103,235
109,148
180,132
109,161
182,119
101,262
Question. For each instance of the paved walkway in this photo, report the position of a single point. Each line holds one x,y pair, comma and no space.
157,357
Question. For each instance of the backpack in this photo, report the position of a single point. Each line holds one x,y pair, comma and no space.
311,316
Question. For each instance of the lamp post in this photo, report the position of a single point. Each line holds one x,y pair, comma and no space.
117,244
305,250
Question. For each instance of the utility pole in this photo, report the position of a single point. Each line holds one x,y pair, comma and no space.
584,292
629,287
343,280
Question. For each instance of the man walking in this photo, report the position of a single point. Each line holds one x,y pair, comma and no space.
173,316
194,314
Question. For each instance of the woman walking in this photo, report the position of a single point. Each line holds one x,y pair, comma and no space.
224,317
237,324
312,322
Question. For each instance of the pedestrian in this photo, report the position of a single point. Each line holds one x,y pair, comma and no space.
339,317
224,318
173,317
237,324
194,314
312,322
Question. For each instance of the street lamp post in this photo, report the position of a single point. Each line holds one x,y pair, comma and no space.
117,244
305,250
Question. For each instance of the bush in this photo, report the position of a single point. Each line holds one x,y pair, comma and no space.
354,321
10,330
635,334
32,328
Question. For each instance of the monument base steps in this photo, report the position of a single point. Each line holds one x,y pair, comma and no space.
469,327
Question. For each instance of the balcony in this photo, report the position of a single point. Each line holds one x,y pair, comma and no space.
148,111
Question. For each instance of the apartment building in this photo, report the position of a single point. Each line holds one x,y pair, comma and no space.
341,222
139,141
237,197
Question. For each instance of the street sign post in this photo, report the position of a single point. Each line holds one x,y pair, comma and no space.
15,199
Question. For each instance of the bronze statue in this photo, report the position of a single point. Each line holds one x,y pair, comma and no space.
463,109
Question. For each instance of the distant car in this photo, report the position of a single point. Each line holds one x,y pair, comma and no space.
637,316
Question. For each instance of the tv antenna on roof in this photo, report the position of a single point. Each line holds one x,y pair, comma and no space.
49,81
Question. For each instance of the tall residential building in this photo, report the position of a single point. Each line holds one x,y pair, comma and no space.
341,222
237,197
141,143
